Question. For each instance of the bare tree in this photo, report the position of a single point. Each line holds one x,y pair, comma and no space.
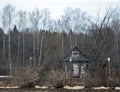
4,28
35,17
21,22
116,28
67,22
9,15
45,18
100,41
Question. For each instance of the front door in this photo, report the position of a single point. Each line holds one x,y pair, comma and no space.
76,70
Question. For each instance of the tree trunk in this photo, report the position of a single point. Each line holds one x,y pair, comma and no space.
4,48
34,50
23,47
41,49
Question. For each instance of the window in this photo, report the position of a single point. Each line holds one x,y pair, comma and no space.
75,53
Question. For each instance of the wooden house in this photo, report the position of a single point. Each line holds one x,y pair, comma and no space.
76,63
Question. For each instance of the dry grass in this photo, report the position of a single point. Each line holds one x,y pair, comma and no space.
57,78
23,77
87,79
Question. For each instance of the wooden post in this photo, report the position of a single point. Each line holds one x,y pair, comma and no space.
66,73
30,61
109,71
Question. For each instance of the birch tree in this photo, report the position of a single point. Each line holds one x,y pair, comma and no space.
35,18
9,16
45,18
4,21
22,23
68,23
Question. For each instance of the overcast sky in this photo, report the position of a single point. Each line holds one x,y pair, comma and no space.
56,7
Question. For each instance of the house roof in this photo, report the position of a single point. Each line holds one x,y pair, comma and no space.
80,58
75,49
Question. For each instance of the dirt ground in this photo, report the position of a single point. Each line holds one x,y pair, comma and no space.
57,90
65,89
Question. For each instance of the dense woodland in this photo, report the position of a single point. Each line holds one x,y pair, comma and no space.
34,39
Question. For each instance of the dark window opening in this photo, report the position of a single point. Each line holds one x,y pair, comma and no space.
75,53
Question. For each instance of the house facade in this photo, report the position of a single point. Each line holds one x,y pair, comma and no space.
76,63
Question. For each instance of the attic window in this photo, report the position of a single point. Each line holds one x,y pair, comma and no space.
75,53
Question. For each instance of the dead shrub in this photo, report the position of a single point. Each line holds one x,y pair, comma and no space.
87,79
57,78
23,77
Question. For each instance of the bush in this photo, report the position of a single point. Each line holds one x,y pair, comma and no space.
87,79
57,78
23,77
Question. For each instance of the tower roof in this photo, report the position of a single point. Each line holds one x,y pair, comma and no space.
79,58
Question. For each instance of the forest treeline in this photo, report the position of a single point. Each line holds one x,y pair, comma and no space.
35,39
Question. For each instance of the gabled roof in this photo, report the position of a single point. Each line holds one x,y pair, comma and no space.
81,58
75,49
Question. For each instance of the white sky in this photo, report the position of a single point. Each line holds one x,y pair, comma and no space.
56,7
